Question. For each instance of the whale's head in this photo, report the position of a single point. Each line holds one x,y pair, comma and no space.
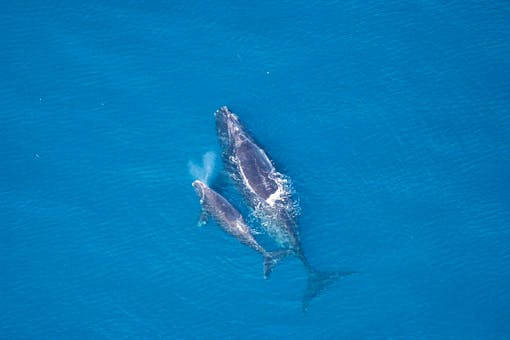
228,127
200,189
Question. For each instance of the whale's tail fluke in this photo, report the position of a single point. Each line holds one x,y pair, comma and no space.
271,259
317,281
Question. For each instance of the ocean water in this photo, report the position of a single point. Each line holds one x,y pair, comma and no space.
391,118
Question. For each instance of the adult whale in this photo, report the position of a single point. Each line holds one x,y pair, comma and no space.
231,220
268,192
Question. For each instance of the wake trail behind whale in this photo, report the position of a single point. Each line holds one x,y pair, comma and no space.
204,171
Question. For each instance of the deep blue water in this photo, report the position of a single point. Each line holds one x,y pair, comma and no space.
392,119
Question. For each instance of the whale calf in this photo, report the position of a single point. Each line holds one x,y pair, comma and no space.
231,220
267,192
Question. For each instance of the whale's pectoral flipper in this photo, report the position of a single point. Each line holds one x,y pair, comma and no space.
203,218
271,259
317,281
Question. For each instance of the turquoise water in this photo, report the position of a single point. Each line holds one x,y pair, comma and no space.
393,121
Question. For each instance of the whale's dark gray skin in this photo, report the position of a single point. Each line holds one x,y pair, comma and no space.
231,220
267,192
